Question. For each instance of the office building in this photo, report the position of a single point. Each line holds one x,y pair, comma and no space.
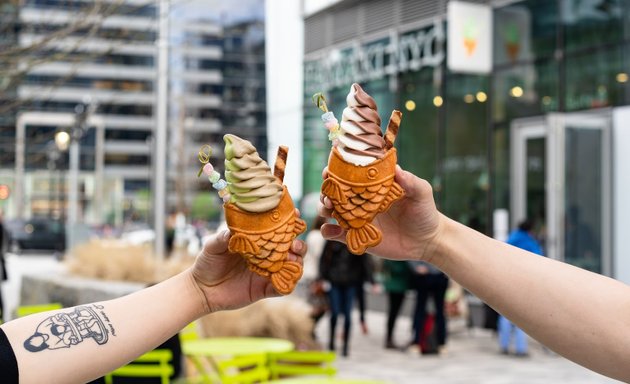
69,52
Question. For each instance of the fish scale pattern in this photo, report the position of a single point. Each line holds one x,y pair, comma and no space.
273,247
362,202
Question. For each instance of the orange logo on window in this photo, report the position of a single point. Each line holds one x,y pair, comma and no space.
470,37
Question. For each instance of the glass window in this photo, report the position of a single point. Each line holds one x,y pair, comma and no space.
525,90
417,142
583,198
501,167
316,145
123,159
525,31
596,79
37,139
7,155
592,23
465,166
125,134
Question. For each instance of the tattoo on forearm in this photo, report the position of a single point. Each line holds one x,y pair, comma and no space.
63,330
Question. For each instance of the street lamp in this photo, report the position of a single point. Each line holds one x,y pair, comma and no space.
82,114
62,140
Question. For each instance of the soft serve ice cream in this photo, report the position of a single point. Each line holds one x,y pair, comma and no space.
360,141
252,186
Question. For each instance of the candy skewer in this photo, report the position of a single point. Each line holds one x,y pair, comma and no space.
213,176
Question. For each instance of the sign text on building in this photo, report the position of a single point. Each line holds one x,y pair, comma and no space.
409,52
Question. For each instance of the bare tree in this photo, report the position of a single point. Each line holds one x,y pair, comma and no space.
18,59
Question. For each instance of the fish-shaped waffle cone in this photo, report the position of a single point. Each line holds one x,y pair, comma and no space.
358,194
264,239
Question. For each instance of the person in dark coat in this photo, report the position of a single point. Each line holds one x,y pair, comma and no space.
427,280
396,280
343,271
3,270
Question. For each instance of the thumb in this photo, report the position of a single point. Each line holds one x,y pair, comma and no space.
218,243
415,187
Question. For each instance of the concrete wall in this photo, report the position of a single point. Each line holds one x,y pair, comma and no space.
284,31
621,192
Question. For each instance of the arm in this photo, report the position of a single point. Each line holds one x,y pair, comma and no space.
85,342
581,315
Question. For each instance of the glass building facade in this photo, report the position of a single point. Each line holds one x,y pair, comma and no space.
553,62
216,84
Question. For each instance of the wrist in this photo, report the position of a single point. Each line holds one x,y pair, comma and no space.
199,294
436,246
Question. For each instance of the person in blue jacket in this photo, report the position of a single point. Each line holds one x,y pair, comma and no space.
522,238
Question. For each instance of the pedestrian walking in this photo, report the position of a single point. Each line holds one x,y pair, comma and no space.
342,271
523,238
315,293
396,280
3,268
428,281
367,277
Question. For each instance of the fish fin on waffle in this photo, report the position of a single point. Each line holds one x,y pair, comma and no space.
239,243
332,189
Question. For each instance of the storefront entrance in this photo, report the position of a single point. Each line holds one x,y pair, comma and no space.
561,179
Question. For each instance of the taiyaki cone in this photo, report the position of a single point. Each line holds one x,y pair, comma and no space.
264,240
358,194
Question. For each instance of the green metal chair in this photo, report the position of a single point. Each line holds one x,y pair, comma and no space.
301,363
189,332
156,363
244,369
25,310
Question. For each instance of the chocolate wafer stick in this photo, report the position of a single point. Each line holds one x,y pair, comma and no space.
281,162
392,128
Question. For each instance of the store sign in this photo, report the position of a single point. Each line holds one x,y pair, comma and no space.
409,52
469,37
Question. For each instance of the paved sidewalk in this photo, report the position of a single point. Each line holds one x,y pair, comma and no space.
472,357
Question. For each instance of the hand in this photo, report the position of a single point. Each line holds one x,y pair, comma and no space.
225,279
409,227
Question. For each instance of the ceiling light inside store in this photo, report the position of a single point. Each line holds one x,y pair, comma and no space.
481,97
438,101
410,105
622,77
469,98
516,91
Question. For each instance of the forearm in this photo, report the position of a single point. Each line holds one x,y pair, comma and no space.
102,336
581,315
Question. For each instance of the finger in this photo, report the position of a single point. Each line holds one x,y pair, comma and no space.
415,187
218,243
333,232
298,247
325,173
325,201
323,211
